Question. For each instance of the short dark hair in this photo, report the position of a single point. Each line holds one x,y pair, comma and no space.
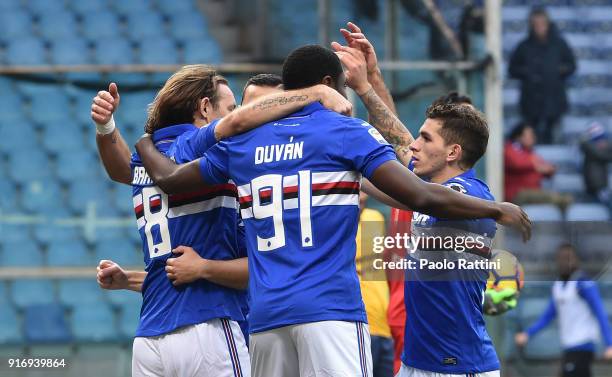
264,79
453,97
465,126
518,130
308,65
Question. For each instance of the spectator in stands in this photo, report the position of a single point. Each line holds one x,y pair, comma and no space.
581,316
542,62
374,289
524,171
597,150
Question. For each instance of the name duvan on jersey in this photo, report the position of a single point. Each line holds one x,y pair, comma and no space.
279,152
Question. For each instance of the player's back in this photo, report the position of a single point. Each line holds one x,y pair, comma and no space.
298,184
205,220
445,328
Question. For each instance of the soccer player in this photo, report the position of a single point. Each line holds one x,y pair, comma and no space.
445,332
203,310
298,183
261,85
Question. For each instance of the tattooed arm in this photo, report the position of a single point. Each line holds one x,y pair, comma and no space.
387,123
278,105
381,117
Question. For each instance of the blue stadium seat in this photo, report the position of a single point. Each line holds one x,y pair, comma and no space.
199,51
122,199
47,233
15,232
32,89
77,166
17,136
21,254
9,326
566,158
32,292
124,298
177,6
84,193
41,7
125,7
69,254
41,196
70,138
46,323
587,212
568,183
145,24
51,111
134,106
75,292
158,50
57,24
543,212
12,109
15,23
93,324
120,250
28,165
8,197
113,51
70,51
82,107
26,50
10,5
188,25
85,7
128,320
100,25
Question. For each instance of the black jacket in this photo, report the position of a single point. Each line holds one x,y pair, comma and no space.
595,170
542,68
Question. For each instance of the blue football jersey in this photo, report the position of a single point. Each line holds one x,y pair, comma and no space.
206,220
445,329
298,184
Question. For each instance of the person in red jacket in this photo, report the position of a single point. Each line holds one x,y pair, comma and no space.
524,170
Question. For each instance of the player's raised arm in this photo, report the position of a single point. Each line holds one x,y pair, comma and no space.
279,105
114,151
170,177
381,116
433,199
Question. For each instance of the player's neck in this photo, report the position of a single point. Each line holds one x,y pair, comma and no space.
446,173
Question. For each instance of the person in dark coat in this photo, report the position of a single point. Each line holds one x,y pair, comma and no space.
543,62
597,150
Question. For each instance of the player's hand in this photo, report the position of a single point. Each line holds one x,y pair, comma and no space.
334,101
186,268
111,276
521,339
355,64
355,38
607,355
514,216
104,104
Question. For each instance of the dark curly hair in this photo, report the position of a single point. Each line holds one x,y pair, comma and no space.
462,125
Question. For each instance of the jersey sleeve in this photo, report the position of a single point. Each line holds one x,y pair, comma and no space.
201,140
214,165
365,147
240,238
589,292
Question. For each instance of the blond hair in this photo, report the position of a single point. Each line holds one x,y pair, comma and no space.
180,96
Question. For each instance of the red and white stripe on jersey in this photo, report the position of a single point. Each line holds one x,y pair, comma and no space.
217,196
327,189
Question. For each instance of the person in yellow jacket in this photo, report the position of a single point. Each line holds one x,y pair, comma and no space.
374,288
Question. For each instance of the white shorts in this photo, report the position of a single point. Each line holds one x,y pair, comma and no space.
406,371
215,348
316,349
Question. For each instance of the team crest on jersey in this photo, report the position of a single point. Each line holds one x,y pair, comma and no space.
457,187
377,136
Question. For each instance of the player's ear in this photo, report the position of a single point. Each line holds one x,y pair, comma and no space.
204,108
454,153
329,81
